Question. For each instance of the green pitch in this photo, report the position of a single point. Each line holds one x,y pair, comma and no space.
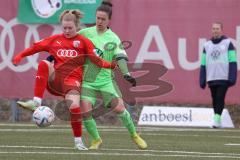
28,142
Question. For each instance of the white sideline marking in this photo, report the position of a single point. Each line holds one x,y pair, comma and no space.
120,154
193,135
128,150
34,130
232,144
111,128
179,152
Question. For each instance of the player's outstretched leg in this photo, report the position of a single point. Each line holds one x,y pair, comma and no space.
128,123
40,86
91,128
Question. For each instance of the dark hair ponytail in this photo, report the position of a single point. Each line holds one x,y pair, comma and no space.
107,3
106,7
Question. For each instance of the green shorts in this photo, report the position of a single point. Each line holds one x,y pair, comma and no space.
107,90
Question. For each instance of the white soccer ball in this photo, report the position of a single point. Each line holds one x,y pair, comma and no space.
43,116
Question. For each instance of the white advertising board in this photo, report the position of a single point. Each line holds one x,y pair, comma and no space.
181,116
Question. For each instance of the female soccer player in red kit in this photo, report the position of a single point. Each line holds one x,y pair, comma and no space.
64,77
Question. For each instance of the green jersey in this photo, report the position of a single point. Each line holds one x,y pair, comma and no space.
108,47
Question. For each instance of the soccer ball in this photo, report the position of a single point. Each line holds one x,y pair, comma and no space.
43,116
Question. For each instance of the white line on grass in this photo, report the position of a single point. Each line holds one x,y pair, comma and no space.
120,154
37,147
112,128
176,152
114,132
232,144
193,135
37,129
127,150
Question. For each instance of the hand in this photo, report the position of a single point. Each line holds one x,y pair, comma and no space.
231,82
130,79
203,86
16,59
202,83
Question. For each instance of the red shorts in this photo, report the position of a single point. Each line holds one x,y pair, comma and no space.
60,87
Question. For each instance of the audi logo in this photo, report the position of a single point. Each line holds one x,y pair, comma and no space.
12,38
67,53
10,41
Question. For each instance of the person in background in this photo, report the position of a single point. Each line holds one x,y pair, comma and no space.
218,69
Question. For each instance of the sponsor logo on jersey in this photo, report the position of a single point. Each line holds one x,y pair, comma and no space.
215,54
67,53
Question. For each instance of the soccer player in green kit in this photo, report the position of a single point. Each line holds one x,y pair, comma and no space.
107,47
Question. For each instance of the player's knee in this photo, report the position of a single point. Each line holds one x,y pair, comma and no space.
46,65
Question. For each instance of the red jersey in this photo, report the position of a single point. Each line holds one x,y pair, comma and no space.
69,54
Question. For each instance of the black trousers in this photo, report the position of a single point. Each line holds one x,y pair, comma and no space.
218,93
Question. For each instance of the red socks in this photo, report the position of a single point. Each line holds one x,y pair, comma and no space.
76,121
41,79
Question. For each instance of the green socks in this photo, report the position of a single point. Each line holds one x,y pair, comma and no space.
127,122
91,127
125,117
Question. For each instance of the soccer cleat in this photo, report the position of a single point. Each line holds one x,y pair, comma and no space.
80,146
139,141
29,105
216,121
216,124
96,144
